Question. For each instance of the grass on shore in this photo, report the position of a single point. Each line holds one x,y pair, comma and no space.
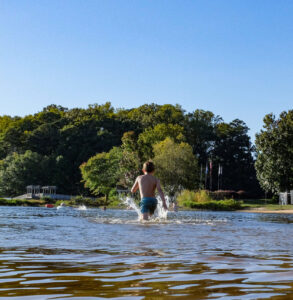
224,205
21,202
228,205
73,202
221,205
264,204
203,200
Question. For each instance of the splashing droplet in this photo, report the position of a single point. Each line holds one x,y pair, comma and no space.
160,212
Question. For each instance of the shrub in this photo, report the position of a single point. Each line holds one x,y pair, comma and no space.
113,195
7,202
80,200
241,194
202,196
116,204
48,199
186,198
224,194
229,205
58,202
16,202
202,200
275,198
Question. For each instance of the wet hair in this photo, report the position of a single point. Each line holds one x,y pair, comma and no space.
149,166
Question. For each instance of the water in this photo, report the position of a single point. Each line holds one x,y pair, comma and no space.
82,207
160,213
93,254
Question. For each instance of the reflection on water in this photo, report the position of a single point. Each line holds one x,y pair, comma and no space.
92,254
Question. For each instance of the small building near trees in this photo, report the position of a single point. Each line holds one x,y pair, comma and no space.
36,191
33,191
49,190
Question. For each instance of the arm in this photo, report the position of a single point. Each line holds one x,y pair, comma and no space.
135,186
161,194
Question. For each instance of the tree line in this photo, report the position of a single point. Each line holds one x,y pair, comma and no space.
91,150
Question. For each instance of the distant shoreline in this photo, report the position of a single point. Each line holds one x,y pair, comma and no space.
267,211
261,209
248,210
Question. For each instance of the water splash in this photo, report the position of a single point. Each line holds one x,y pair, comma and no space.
62,205
160,212
130,203
82,207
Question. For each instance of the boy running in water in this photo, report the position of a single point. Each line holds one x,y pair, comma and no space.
147,184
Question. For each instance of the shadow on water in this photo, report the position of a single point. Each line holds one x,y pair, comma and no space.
48,254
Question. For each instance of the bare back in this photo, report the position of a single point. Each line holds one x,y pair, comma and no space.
147,185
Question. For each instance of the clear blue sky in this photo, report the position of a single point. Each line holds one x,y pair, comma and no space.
234,57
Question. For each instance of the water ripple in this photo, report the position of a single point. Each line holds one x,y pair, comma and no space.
46,254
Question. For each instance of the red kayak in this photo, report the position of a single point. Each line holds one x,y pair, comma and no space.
49,205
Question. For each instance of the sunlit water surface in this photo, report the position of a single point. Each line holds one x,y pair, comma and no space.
93,254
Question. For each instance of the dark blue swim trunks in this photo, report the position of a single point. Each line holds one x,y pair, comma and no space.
148,205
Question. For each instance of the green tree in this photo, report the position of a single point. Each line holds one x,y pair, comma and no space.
85,133
15,136
130,162
101,172
38,132
176,166
274,146
45,139
160,132
200,127
227,144
233,150
19,170
5,122
149,115
69,137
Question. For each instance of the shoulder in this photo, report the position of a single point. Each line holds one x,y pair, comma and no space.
157,180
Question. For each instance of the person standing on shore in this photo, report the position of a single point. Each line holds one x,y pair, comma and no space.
147,185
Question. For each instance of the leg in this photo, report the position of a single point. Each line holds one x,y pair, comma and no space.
152,207
144,209
145,216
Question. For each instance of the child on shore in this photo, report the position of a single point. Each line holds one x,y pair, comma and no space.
147,185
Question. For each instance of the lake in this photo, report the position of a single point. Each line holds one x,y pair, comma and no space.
94,254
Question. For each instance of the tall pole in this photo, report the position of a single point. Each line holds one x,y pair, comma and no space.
200,175
219,177
206,176
211,175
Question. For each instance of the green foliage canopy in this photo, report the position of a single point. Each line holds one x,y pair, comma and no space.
160,132
274,146
101,172
19,170
130,162
233,150
69,137
176,166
